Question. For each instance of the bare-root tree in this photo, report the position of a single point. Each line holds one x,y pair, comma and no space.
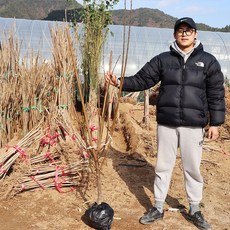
97,129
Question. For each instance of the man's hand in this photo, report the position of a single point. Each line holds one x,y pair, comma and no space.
111,79
213,133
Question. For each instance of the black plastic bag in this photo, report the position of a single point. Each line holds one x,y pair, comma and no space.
99,216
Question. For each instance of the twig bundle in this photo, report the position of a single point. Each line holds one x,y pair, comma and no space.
13,152
54,165
53,176
37,103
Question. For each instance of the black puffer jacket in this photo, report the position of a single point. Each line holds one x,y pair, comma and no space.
191,93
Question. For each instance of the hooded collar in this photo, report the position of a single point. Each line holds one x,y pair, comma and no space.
175,47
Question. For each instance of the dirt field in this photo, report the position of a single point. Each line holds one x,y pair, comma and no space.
128,186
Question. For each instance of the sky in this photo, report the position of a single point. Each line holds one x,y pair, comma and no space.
215,13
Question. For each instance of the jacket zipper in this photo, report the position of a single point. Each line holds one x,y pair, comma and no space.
182,92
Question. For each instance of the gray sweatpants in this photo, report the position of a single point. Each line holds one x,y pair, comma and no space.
190,141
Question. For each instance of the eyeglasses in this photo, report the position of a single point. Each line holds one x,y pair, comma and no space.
187,32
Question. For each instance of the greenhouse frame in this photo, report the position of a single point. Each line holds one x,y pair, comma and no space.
145,42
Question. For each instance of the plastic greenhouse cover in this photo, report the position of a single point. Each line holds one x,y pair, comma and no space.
145,42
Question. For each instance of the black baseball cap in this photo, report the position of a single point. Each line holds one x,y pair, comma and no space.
186,20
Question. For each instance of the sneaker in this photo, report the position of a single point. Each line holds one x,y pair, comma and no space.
198,220
151,216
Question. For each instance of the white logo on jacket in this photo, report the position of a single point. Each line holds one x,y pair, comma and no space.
200,64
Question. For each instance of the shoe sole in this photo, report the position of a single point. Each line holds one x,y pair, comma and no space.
199,227
150,222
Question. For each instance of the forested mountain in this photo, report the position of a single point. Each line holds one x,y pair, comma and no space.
33,9
156,18
59,10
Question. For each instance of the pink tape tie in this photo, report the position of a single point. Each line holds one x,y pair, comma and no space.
40,184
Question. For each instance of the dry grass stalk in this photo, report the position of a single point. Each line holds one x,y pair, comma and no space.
31,86
9,64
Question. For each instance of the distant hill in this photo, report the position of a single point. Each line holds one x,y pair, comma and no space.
58,10
145,17
33,9
155,18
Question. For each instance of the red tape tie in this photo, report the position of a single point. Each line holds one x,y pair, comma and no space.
21,151
40,184
58,184
48,156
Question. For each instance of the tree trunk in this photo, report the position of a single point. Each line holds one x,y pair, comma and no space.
146,108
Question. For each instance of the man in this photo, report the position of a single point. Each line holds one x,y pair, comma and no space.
191,96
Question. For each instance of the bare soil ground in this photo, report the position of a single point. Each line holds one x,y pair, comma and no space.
128,176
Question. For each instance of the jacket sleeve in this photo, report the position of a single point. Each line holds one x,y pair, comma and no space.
145,78
215,94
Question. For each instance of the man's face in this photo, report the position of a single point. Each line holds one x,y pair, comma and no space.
185,36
